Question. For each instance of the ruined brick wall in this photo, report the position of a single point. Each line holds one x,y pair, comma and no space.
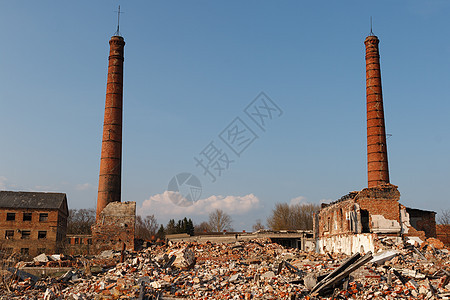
423,220
443,234
383,209
338,218
32,231
372,210
115,226
416,222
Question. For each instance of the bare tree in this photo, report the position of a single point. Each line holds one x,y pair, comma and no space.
292,217
280,217
80,221
219,221
202,227
302,215
258,225
444,217
146,227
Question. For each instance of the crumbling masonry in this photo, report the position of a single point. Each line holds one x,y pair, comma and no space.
354,222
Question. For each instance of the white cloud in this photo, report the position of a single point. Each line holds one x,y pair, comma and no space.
6,185
3,185
83,186
162,205
44,188
298,200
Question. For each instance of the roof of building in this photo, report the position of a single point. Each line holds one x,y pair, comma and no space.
36,200
420,210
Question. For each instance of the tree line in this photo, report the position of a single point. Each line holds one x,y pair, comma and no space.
282,217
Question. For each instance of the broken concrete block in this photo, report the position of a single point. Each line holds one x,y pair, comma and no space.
41,258
310,281
413,240
382,257
268,275
184,258
55,257
234,278
107,254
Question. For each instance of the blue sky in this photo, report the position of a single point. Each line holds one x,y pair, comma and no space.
191,67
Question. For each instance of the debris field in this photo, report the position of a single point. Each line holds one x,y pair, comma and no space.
256,269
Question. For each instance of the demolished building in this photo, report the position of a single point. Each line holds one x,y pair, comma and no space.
354,222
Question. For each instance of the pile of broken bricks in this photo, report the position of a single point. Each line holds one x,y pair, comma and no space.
257,269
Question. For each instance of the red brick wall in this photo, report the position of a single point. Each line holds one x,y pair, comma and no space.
34,226
336,218
443,234
423,220
387,208
381,200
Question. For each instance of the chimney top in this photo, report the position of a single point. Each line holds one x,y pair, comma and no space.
371,39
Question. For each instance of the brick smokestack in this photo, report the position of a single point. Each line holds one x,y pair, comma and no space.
377,161
109,185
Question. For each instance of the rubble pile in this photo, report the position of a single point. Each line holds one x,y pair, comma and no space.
257,269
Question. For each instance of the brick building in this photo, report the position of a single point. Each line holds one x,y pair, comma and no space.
78,244
32,222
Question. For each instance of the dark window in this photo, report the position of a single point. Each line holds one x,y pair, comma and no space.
77,240
365,221
42,235
27,216
26,234
9,234
25,251
68,240
43,217
89,241
10,216
81,240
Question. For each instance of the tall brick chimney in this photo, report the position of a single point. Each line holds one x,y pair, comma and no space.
109,185
377,161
